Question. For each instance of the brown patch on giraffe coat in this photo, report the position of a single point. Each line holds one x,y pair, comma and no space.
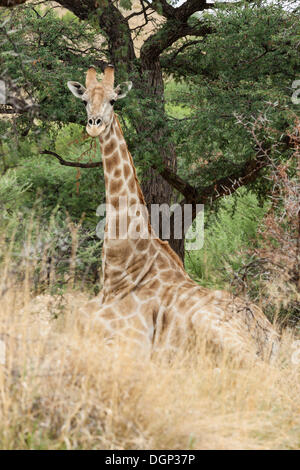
168,276
126,170
128,304
154,270
111,162
117,173
117,251
188,283
115,186
108,315
165,320
114,274
133,201
110,147
152,251
142,244
146,293
118,323
161,261
138,323
168,296
155,284
182,304
114,201
123,148
131,184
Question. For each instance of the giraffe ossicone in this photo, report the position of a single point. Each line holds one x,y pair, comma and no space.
147,295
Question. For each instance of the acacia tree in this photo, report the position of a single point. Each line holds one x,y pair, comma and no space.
178,45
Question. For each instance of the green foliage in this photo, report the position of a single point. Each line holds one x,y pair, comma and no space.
176,106
245,67
216,88
36,199
241,72
126,4
44,248
12,191
62,186
228,234
50,51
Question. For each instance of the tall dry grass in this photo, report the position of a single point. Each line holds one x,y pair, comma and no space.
62,387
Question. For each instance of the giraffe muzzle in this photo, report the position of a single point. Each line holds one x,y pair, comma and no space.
94,122
95,127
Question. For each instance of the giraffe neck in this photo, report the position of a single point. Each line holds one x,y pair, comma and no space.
119,171
126,241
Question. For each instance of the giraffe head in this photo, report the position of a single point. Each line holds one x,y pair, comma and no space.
99,98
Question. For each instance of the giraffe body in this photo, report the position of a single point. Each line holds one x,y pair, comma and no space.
147,295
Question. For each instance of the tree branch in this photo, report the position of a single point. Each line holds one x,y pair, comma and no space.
188,191
182,48
173,29
174,180
162,7
138,13
169,33
179,184
11,3
111,22
223,187
230,184
64,162
190,7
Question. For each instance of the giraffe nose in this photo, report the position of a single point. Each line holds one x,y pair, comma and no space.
94,122
95,128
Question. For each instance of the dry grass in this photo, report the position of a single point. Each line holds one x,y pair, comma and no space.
61,387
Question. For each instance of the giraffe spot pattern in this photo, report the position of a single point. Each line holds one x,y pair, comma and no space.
111,162
110,146
126,171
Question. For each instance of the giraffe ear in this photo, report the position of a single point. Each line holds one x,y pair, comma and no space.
123,89
77,89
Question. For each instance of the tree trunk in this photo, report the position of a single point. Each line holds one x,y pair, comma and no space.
155,188
178,247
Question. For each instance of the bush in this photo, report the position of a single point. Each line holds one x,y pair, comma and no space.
227,233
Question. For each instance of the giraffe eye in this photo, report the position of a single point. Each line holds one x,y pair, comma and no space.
112,102
84,102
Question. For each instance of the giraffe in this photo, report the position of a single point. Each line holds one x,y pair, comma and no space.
147,295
